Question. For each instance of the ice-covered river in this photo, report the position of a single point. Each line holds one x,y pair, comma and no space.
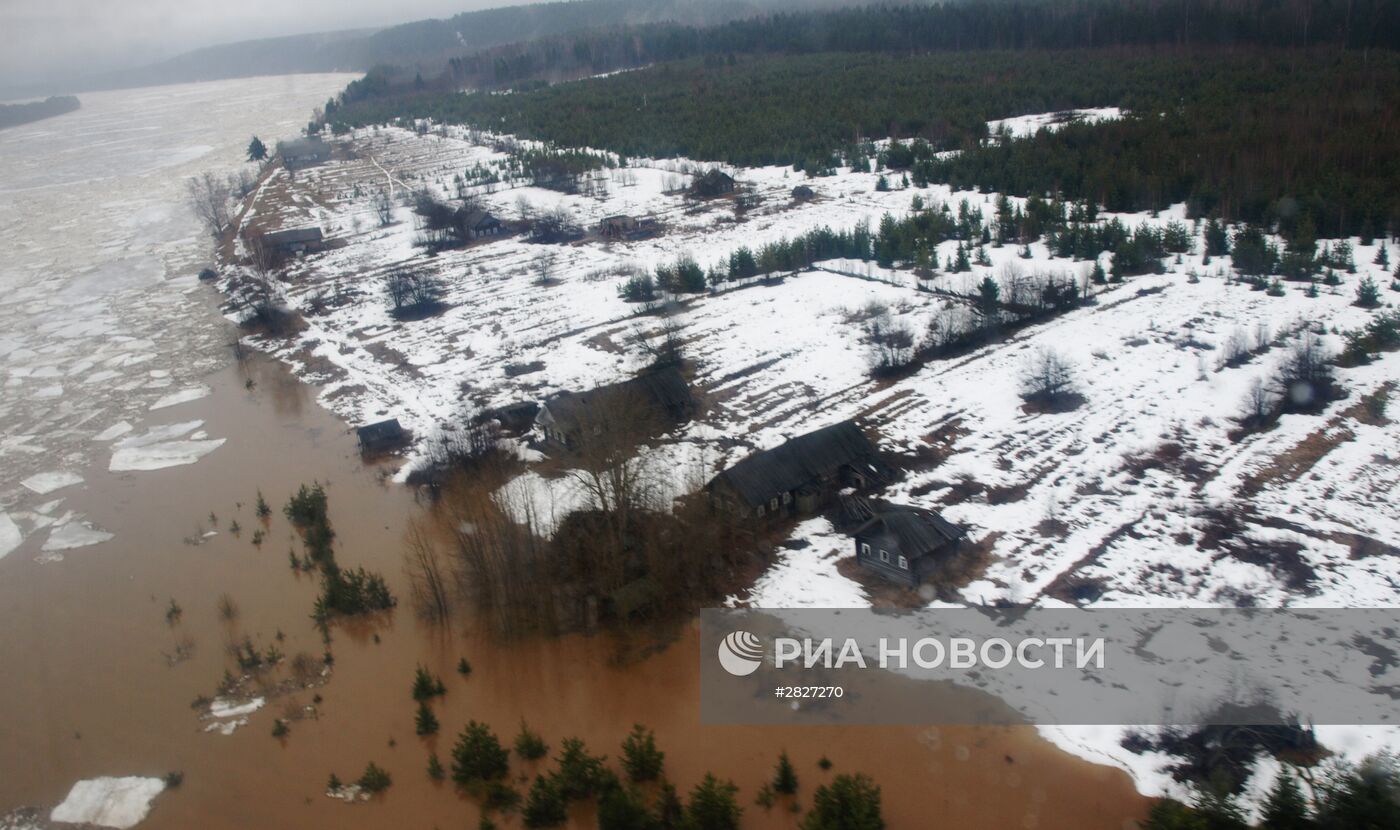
104,330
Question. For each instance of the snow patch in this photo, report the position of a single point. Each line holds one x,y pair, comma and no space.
108,802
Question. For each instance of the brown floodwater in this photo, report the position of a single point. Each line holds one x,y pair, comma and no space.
88,689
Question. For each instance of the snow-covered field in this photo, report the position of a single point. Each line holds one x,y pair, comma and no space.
1108,504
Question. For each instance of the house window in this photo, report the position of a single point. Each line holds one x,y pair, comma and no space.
865,550
787,498
773,504
885,556
903,564
760,511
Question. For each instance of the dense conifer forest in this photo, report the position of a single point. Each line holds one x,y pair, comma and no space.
1269,112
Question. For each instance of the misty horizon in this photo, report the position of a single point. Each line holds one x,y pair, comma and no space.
55,43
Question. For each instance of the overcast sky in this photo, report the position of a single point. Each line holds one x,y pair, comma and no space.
47,38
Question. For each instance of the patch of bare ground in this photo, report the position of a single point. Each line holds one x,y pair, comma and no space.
349,390
935,448
1071,586
1360,545
390,356
1170,456
603,341
1292,463
315,367
1371,409
1226,529
1008,493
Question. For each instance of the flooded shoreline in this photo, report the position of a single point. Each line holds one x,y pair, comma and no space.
99,696
113,649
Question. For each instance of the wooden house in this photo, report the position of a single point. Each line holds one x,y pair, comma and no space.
906,544
479,223
293,241
648,400
711,184
801,475
303,152
618,227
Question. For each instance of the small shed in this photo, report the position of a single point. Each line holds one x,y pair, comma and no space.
303,152
906,544
382,436
294,240
713,182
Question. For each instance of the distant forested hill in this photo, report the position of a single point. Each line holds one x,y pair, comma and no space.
12,115
1248,110
426,46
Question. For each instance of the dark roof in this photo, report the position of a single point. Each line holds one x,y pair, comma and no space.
302,147
664,389
800,460
383,431
293,236
917,531
478,218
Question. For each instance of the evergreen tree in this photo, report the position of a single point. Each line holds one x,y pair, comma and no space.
622,808
713,805
640,757
1368,293
670,813
784,777
580,775
960,261
849,802
528,744
882,184
545,805
425,722
478,755
435,770
988,297
257,151
1285,808
425,686
1098,275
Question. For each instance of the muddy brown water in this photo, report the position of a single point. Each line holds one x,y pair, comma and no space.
87,689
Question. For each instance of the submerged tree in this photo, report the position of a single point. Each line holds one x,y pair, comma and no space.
257,151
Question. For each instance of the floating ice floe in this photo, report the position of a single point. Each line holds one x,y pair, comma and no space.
74,535
45,483
10,537
222,707
113,432
160,447
194,393
108,802
227,714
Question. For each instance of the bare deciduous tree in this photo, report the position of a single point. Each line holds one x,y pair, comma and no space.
209,198
428,574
